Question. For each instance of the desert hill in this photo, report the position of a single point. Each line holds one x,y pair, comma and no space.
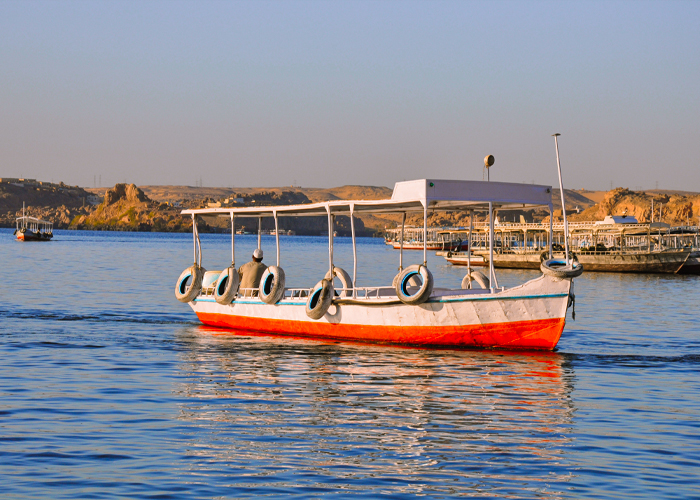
157,208
58,203
178,194
129,208
125,207
675,209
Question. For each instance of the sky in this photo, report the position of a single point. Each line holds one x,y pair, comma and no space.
329,93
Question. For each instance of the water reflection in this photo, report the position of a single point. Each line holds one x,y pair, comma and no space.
284,413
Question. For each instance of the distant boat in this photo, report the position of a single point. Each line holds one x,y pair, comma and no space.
437,239
32,229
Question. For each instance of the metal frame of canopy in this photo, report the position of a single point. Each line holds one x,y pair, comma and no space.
422,195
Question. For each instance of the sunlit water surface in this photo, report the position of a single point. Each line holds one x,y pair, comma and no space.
110,388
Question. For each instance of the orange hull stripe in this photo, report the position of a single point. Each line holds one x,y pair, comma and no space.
534,334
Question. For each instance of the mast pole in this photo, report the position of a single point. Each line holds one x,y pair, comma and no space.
563,205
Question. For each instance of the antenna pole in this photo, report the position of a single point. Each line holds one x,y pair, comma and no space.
563,205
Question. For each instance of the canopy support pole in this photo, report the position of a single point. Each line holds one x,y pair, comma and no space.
233,238
492,273
259,231
194,235
563,205
354,249
551,228
425,233
469,244
403,224
330,241
277,237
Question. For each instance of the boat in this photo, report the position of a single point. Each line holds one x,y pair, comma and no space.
616,244
32,229
412,239
412,310
468,258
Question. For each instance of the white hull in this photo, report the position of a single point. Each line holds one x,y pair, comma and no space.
530,316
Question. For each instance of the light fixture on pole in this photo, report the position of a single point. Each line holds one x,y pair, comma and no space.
488,163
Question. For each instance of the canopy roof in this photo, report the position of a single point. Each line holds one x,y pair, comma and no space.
33,219
411,196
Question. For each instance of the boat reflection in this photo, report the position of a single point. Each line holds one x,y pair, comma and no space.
434,420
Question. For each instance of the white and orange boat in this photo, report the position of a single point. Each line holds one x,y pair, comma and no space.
412,310
32,229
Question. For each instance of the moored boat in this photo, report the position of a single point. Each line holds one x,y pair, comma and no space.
617,244
412,239
412,310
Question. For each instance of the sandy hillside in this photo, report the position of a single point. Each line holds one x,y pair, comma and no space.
180,193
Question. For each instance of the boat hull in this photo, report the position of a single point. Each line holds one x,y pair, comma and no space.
431,245
462,260
32,236
692,265
531,316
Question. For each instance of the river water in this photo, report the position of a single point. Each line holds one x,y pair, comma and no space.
110,388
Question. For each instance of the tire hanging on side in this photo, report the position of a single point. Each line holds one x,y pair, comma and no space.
477,276
344,278
226,286
320,299
187,293
272,283
414,297
558,268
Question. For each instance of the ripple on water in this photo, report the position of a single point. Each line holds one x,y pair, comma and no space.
110,388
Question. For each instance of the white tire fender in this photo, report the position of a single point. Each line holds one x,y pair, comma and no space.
320,299
409,294
227,286
558,268
185,292
344,278
477,276
412,281
272,283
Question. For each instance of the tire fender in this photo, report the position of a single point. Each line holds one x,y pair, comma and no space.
187,293
414,297
272,283
226,286
477,276
344,278
557,269
320,299
545,255
412,281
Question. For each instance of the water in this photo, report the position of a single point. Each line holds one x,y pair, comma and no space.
110,388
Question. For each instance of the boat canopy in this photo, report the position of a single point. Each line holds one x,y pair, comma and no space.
33,220
411,196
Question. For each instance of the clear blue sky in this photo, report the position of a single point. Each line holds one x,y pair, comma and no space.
267,93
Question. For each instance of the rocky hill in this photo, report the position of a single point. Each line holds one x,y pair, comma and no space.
130,208
127,208
675,209
58,203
